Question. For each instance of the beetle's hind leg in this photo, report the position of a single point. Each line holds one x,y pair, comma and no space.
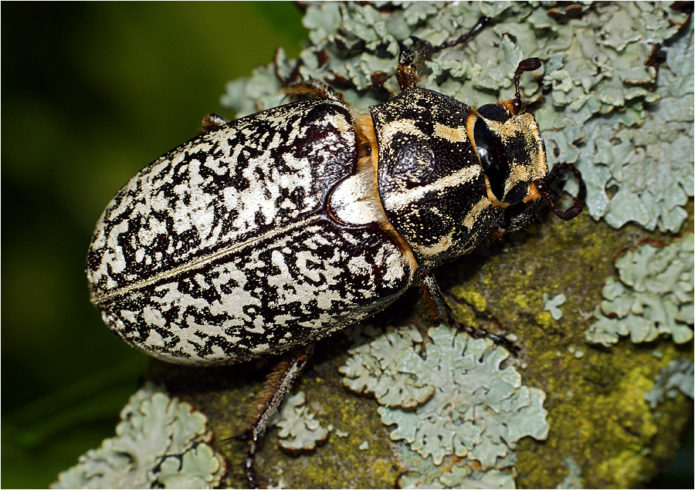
293,84
276,388
445,314
312,89
212,121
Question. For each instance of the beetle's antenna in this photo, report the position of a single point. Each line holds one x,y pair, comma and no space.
529,64
577,204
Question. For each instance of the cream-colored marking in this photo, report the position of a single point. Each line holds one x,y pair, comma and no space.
338,121
519,173
203,260
355,200
455,135
406,126
472,217
438,248
397,200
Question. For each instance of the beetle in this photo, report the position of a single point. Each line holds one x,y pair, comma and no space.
266,234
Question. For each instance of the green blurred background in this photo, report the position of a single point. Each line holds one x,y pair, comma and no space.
91,92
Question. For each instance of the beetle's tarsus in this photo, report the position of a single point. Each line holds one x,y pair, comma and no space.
529,64
446,315
479,26
294,74
419,49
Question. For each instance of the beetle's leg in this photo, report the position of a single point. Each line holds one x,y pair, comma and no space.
479,26
212,121
277,386
314,89
294,74
406,74
295,86
445,314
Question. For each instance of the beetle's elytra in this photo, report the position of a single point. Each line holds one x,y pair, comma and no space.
274,230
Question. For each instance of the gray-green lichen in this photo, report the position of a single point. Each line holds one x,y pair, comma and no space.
451,398
626,125
652,296
574,475
676,376
552,305
160,442
373,369
299,429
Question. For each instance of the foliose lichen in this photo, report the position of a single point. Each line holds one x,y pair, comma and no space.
574,476
676,376
552,305
604,100
373,368
299,429
476,412
160,442
454,472
652,296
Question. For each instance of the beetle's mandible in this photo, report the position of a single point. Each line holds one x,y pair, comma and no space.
268,233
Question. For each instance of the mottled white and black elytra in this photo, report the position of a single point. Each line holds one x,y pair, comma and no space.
225,248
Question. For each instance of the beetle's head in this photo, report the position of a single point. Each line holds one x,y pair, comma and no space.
512,154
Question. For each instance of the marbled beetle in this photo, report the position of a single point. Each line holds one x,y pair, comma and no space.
268,233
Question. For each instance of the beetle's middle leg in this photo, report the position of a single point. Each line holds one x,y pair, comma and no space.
276,388
406,74
444,312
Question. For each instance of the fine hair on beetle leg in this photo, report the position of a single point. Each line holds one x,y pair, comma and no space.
274,392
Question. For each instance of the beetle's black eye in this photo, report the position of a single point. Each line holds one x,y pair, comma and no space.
516,194
494,163
495,112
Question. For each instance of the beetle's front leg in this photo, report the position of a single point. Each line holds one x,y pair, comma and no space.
276,388
444,312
